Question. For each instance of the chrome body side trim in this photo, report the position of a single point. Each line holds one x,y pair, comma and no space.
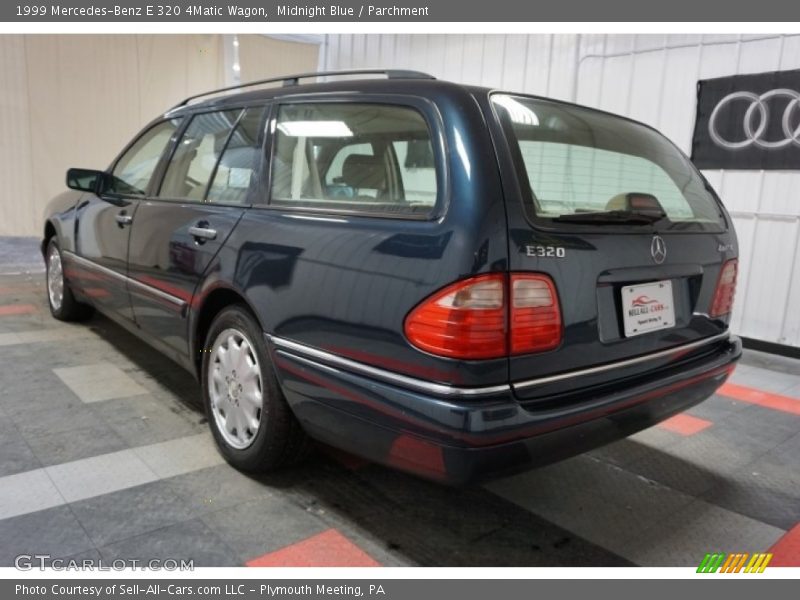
413,383
128,280
440,389
521,385
156,292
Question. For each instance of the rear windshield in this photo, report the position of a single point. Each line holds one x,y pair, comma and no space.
582,166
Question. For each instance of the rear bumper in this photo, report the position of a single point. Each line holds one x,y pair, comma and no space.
460,439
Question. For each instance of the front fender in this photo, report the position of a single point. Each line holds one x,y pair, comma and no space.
60,215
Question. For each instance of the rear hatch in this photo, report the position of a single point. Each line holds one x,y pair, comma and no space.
630,233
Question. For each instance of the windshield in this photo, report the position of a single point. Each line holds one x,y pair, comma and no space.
583,166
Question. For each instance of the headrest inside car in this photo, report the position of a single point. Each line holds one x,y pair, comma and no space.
363,171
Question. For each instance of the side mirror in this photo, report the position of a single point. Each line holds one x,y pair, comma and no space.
101,183
87,180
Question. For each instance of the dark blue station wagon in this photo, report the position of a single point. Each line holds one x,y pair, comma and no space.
453,281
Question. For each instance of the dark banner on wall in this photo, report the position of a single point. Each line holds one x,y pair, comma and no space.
748,122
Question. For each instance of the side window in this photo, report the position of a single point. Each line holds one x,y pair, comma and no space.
239,161
417,170
354,157
196,155
135,168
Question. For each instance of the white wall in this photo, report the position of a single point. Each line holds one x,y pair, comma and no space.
76,100
652,78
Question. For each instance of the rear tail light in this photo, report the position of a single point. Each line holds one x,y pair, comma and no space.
464,320
472,319
722,304
535,314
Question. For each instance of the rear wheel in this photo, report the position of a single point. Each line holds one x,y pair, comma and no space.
248,415
63,305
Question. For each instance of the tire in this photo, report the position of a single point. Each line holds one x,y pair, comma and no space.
251,437
63,305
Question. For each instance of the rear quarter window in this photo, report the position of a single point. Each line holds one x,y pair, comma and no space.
372,159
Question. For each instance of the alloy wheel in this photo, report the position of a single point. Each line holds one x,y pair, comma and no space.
235,388
55,278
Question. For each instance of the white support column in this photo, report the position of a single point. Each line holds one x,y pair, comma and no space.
232,66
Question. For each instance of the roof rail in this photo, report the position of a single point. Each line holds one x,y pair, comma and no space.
291,80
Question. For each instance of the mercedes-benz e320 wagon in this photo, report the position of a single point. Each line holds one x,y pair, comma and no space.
450,280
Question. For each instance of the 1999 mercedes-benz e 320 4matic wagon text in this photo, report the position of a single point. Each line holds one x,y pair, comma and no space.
450,280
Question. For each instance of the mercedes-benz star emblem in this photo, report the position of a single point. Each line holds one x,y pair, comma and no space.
658,249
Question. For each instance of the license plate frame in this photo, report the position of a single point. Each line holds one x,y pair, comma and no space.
647,307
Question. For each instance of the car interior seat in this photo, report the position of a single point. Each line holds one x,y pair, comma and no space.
365,172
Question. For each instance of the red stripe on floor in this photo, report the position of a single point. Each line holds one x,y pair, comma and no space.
685,424
787,549
18,289
765,399
327,549
17,309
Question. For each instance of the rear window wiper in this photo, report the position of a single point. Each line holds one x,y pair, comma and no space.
612,217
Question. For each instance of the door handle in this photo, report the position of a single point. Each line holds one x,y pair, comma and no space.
203,233
123,219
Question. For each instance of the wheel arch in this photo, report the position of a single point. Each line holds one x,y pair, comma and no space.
49,233
213,303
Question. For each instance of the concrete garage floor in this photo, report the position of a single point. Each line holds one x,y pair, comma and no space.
104,453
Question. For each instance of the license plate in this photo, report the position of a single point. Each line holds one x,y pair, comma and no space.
647,307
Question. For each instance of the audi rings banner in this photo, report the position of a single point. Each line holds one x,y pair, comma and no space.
748,122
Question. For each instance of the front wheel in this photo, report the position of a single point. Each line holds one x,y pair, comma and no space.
63,305
252,424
